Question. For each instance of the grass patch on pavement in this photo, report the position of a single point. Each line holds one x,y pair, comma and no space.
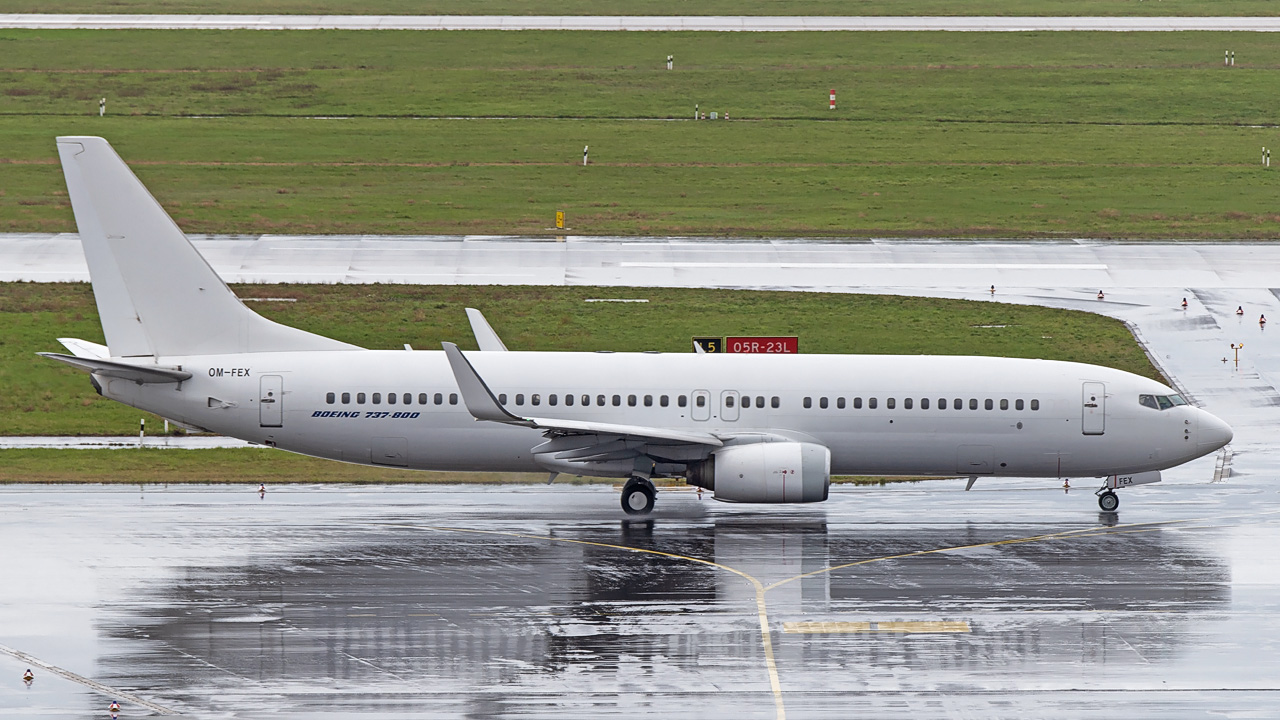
935,134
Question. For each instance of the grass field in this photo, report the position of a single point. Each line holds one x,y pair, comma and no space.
1038,134
41,397
652,7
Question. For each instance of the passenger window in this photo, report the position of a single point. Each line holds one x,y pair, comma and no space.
535,399
957,404
840,403
391,398
664,401
408,398
776,402
857,403
600,400
422,399
453,399
942,403
989,404
681,400
502,399
822,403
701,401
568,399
1165,403
617,400
1017,404
924,403
890,403
1035,404
631,401
377,398
330,398
906,403
1004,404
359,398
586,400
346,398
551,399
871,403
808,402
760,401
648,401
519,399
1148,401
728,401
973,403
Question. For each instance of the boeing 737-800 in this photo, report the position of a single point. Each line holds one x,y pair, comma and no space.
750,428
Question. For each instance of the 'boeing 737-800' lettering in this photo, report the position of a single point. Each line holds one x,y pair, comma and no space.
763,428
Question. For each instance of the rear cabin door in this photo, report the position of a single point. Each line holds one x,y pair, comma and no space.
1094,408
270,401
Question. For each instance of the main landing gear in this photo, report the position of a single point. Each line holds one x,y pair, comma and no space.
1108,500
638,496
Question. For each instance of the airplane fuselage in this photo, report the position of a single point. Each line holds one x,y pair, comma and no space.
890,415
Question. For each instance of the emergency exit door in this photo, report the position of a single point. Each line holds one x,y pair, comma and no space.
270,401
1094,408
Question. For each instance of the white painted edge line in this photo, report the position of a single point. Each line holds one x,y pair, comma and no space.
106,690
869,266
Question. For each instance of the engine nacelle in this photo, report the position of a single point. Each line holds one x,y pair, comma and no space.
768,472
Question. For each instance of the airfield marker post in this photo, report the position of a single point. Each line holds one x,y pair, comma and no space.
102,107
833,99
142,430
584,155
670,59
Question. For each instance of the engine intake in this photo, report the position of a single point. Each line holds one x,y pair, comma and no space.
771,472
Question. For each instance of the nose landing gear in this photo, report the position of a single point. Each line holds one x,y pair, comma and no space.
638,496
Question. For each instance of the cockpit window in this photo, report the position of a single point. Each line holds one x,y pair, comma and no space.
1161,402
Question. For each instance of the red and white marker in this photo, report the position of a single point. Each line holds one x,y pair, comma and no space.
833,99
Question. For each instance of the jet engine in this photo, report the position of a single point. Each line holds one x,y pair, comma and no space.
768,472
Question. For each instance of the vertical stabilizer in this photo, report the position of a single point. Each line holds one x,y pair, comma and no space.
156,294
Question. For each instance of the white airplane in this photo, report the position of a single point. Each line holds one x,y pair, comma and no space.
750,428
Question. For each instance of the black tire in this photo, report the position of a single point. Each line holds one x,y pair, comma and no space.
1108,501
637,498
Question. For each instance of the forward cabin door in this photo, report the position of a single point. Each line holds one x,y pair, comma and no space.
1094,408
270,401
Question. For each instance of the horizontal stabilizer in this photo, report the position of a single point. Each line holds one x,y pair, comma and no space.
85,349
109,368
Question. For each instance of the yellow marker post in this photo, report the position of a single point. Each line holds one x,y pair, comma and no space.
559,219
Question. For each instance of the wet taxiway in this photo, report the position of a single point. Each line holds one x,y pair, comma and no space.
1014,600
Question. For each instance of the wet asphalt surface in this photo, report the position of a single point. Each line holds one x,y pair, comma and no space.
545,602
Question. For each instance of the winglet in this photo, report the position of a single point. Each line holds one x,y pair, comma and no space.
486,338
476,395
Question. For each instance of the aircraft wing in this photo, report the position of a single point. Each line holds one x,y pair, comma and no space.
482,405
110,368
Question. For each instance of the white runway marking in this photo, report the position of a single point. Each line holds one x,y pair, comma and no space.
106,690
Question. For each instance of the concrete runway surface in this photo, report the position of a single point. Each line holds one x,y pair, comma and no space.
1014,600
637,23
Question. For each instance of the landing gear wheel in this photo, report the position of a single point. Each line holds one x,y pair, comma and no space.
638,497
1108,501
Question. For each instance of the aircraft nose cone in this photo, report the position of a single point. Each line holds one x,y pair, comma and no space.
1213,433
